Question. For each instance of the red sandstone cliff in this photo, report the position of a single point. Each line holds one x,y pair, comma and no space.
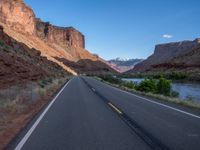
16,15
19,63
172,55
64,37
19,17
53,42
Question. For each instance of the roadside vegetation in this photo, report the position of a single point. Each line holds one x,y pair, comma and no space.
18,104
156,88
173,75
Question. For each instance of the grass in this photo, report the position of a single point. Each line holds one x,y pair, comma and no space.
188,102
18,100
20,103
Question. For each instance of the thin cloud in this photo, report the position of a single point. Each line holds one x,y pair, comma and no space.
167,36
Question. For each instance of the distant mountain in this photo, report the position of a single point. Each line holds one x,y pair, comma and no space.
184,55
123,65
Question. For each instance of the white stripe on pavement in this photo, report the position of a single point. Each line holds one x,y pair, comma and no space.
151,101
28,134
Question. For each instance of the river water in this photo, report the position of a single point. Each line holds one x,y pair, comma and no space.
186,90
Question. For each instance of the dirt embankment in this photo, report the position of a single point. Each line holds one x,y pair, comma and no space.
18,104
27,82
19,63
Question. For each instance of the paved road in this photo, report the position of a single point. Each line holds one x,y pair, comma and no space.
90,115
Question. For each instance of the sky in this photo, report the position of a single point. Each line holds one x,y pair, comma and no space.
124,28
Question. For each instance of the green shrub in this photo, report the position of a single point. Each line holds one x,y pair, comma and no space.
161,86
45,82
177,76
174,94
111,79
147,85
164,87
130,85
2,43
158,76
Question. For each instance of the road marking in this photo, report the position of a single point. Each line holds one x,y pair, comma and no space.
193,135
175,109
115,108
28,134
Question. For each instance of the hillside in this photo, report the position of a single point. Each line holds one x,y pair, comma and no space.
188,60
123,65
176,56
65,43
19,63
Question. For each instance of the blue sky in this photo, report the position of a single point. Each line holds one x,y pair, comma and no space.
124,28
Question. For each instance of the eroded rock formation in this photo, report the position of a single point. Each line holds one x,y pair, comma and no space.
53,42
16,15
64,37
20,17
164,53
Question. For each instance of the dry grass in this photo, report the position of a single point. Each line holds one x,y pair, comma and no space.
19,103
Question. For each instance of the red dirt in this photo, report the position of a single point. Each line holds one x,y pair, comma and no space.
16,122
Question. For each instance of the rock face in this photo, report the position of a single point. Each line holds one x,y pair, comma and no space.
16,15
20,17
64,37
164,53
65,43
19,63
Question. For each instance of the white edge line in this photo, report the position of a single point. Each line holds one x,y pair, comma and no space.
28,134
184,112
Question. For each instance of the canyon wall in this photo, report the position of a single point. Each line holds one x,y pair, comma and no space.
64,46
63,36
21,18
16,15
164,53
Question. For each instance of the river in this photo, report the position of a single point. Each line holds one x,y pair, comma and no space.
185,90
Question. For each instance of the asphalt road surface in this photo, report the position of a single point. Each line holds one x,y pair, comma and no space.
90,115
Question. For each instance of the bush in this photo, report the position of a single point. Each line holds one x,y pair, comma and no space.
2,43
147,85
174,94
45,82
130,85
161,86
177,76
111,79
164,87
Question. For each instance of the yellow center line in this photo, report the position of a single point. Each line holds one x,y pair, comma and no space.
115,108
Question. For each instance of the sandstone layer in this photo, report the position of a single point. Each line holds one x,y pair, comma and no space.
172,55
53,42
19,63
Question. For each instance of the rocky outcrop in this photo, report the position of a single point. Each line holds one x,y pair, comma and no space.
16,15
19,63
20,23
64,37
165,53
